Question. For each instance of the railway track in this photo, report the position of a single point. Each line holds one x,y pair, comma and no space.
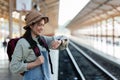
83,66
66,68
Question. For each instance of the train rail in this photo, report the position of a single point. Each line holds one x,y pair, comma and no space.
111,66
86,67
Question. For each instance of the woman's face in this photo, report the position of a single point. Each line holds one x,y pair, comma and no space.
38,27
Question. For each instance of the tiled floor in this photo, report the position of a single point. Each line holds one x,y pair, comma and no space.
5,73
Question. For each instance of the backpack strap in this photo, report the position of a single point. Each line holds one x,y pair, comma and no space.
43,43
35,48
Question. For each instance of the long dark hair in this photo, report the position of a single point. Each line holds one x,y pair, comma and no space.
27,35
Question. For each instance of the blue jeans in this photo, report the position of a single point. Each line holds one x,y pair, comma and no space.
40,72
34,74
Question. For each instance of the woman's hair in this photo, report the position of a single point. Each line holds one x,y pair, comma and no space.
27,35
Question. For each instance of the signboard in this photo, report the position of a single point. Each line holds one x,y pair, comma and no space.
23,5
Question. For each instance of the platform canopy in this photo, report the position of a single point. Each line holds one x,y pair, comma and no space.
95,10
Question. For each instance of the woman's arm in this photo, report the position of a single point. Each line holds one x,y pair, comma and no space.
17,64
37,62
59,42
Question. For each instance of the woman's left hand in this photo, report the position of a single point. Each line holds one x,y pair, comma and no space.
55,44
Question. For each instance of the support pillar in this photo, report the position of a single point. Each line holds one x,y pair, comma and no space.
10,18
20,23
113,35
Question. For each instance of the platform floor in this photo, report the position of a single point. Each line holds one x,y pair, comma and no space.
5,73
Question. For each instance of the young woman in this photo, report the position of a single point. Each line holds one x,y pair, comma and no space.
24,58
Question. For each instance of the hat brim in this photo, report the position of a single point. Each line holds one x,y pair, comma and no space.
46,19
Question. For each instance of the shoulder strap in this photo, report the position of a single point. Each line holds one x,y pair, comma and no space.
43,43
35,48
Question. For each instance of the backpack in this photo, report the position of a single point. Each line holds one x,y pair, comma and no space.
12,43
11,46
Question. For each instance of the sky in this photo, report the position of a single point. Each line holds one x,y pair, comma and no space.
68,9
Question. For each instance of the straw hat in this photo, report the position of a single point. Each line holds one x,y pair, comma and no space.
33,17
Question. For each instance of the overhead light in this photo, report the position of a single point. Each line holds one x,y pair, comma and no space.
1,19
23,18
15,15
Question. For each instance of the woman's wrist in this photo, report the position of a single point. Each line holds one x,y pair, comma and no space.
31,65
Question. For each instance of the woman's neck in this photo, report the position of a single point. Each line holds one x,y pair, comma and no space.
33,35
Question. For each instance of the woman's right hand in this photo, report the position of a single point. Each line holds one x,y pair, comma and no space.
37,62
